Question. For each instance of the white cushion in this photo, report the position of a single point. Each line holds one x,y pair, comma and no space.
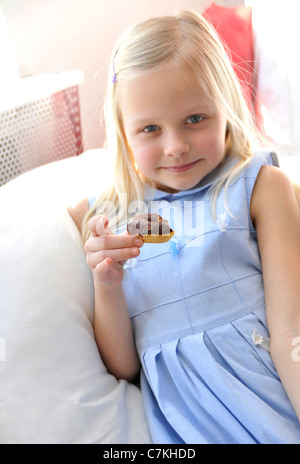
54,387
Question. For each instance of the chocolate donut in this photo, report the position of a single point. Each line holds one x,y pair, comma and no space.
151,228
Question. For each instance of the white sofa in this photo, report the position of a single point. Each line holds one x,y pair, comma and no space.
53,385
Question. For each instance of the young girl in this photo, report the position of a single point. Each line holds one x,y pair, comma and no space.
213,316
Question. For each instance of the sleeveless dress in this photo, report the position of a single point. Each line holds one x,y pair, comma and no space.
196,304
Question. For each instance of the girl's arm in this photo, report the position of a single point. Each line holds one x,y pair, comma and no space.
78,213
113,333
105,253
112,327
275,215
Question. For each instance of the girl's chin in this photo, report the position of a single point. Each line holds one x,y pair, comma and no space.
173,185
176,187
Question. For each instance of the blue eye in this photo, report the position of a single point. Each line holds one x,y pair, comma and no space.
194,119
151,128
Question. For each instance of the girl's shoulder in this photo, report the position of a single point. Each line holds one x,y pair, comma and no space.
249,172
78,212
259,160
273,193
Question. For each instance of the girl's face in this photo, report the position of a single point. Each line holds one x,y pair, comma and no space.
176,136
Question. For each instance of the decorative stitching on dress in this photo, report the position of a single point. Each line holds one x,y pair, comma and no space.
182,245
261,341
197,293
227,272
221,222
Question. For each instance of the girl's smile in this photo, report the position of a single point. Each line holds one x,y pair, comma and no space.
181,167
175,132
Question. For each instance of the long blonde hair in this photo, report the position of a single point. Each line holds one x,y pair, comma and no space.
189,40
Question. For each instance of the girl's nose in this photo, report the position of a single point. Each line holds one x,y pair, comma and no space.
176,145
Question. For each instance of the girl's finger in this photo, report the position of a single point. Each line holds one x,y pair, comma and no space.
117,256
107,271
98,225
111,242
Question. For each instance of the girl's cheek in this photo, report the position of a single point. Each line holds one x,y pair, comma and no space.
147,157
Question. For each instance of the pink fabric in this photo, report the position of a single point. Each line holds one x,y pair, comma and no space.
234,25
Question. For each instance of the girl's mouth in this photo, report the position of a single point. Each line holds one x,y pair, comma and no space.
181,167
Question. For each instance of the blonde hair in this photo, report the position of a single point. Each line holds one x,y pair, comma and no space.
188,40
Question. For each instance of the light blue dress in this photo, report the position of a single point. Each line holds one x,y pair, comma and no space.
195,303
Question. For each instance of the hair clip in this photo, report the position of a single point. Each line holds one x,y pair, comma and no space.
113,67
114,72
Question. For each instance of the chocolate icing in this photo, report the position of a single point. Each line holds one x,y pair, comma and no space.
148,224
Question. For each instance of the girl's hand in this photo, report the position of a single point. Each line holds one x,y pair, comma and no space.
106,252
